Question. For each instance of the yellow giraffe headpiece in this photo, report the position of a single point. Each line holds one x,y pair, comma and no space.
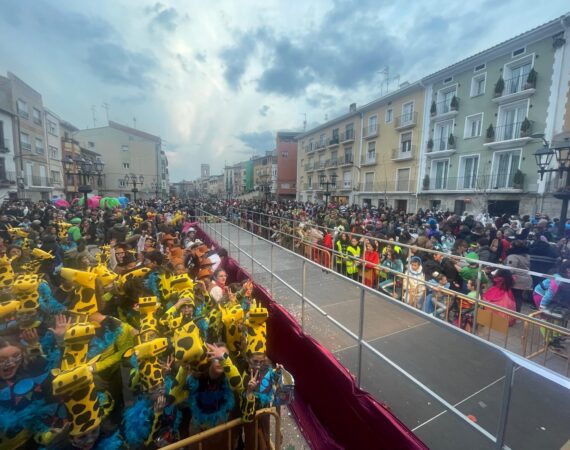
256,329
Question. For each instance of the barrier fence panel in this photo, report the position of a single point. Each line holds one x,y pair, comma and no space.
461,372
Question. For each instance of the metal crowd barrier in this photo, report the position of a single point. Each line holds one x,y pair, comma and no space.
231,430
484,313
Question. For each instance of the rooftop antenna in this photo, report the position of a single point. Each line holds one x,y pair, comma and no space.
94,116
105,106
387,80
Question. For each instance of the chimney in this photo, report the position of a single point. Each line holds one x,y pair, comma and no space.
352,107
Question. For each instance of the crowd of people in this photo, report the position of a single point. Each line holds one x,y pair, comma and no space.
437,261
120,329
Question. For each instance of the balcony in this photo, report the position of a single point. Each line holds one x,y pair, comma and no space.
369,159
5,146
510,135
346,161
441,147
404,121
370,132
7,179
403,153
347,136
446,109
334,141
516,88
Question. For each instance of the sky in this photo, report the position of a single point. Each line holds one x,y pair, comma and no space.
216,80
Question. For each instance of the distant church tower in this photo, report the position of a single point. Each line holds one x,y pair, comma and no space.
205,171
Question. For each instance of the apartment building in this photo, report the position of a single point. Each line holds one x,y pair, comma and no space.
31,163
481,113
54,155
286,153
387,165
327,152
128,151
8,179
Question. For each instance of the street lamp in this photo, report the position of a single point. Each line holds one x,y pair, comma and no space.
85,169
135,181
326,184
543,157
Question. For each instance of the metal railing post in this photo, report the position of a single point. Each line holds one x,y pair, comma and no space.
304,279
271,266
505,402
360,338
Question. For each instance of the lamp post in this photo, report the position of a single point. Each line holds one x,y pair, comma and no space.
85,169
560,149
326,184
135,181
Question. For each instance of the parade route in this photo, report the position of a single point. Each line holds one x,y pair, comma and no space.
463,370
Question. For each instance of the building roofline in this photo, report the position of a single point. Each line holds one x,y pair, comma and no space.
535,34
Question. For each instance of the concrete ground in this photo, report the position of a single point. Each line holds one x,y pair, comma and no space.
467,373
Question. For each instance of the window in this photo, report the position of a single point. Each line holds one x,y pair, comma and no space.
439,172
406,142
39,146
441,135
371,152
347,180
372,125
403,180
478,84
468,168
519,51
510,120
37,116
516,75
53,153
55,177
52,127
25,141
22,107
505,164
369,181
473,126
389,115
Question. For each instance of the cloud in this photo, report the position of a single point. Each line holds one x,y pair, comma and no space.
258,141
114,64
263,110
164,18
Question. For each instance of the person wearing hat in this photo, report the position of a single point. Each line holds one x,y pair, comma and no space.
74,232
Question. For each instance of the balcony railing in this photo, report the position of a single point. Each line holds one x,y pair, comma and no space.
477,183
445,106
368,158
403,153
512,131
334,141
7,178
347,136
406,120
346,161
441,145
371,131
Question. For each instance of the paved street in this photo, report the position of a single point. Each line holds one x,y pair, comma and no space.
465,372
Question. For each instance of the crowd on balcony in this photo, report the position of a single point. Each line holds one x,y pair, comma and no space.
428,256
120,329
